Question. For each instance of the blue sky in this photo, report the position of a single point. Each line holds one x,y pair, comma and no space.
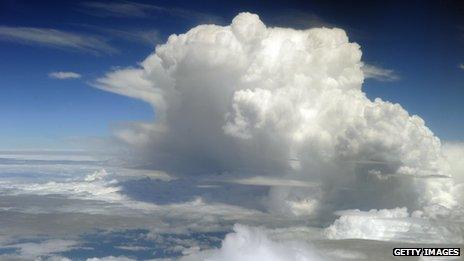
418,47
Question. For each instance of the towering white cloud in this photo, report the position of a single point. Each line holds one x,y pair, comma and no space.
254,100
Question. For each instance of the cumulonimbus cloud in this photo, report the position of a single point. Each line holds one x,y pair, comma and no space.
254,100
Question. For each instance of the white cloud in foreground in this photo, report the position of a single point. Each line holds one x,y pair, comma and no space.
55,38
249,244
64,75
255,100
379,73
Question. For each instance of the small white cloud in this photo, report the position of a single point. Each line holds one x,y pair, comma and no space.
379,73
461,66
64,75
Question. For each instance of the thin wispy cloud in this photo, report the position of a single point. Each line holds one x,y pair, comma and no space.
64,75
148,37
139,10
461,66
379,73
134,35
117,9
56,39
197,17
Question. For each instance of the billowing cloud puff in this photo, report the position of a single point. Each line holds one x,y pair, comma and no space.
254,100
249,244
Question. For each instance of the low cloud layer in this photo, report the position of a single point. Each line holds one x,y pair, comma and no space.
64,75
393,225
79,203
250,100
